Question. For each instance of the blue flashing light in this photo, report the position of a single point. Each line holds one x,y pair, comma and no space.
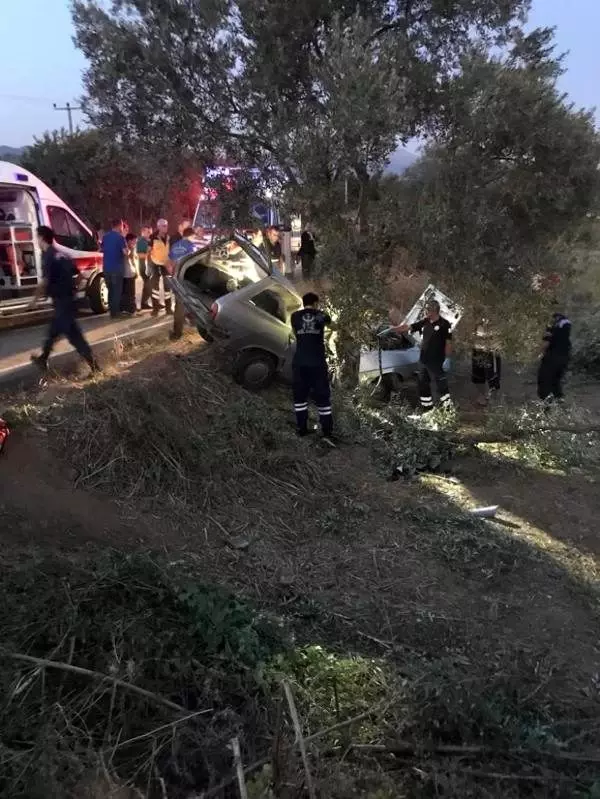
21,177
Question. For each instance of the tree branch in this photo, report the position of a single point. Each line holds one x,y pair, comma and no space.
96,675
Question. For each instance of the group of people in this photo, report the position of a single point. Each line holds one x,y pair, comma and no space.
486,360
150,257
311,374
269,243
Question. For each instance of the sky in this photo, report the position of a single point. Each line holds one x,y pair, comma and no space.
40,65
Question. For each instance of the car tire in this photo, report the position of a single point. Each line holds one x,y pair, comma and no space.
255,370
98,295
381,389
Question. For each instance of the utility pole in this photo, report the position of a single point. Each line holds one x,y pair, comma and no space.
69,109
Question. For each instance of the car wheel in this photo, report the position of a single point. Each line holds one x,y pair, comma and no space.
255,370
381,389
98,295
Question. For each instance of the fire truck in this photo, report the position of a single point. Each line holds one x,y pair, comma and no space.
25,203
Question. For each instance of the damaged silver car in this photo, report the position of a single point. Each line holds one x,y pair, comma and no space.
394,358
235,295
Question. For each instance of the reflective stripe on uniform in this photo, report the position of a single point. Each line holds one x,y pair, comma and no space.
324,411
445,399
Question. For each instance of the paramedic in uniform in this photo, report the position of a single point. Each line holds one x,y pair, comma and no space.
158,261
555,358
58,283
309,366
436,348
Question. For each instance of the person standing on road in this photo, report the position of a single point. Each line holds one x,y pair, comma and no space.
183,246
128,304
436,349
114,251
307,252
309,367
158,259
186,245
142,247
181,228
58,283
554,358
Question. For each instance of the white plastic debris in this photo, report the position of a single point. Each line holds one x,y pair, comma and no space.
485,513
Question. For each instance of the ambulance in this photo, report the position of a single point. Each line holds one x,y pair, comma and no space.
26,203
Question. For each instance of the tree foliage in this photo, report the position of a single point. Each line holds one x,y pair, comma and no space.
508,172
100,178
343,80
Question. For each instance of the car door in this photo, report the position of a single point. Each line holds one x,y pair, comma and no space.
450,310
263,312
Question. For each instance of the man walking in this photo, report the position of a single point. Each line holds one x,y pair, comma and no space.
309,367
555,358
114,251
158,260
142,247
436,349
58,283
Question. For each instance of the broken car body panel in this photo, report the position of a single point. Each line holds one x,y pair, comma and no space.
399,354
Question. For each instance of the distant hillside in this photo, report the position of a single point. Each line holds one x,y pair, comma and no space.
10,153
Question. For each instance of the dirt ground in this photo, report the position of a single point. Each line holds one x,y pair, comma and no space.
373,563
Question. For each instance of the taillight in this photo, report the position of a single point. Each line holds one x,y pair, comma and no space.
214,310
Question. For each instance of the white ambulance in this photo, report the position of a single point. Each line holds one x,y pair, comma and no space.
25,203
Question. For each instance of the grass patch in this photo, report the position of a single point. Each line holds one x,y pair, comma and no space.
187,436
559,438
399,445
464,542
147,624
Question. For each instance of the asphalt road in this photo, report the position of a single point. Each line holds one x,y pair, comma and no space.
17,346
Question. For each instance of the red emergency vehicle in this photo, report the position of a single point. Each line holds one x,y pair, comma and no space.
25,203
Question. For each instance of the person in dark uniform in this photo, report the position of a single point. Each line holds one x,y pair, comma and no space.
555,358
436,349
307,252
309,367
58,283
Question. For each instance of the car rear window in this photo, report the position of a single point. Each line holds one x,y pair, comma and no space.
278,302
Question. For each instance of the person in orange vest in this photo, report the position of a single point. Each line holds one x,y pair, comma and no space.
158,261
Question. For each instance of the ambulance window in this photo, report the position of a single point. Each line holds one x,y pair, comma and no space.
69,232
